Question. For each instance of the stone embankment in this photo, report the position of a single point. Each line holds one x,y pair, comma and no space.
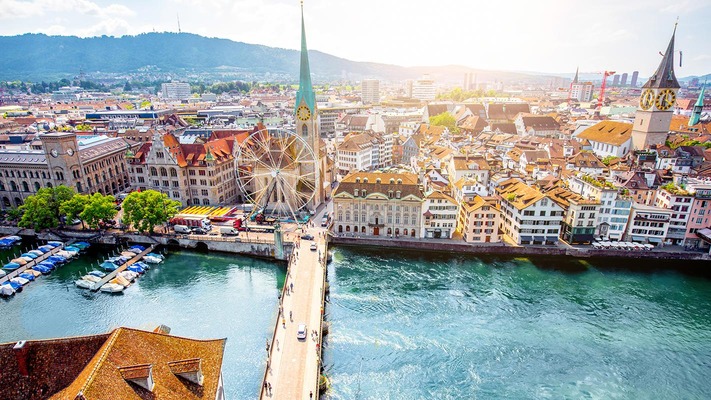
501,249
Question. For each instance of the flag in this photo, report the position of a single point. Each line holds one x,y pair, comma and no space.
681,54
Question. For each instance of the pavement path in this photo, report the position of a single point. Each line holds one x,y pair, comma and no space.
294,364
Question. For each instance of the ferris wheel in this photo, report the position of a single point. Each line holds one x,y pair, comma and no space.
277,173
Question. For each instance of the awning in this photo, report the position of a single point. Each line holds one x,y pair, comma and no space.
637,239
704,234
525,238
655,240
552,239
539,238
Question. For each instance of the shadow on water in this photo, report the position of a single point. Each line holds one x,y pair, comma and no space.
562,264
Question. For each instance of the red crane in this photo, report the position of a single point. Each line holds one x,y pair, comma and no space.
602,89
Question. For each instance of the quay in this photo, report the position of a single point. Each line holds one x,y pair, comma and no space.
31,264
111,275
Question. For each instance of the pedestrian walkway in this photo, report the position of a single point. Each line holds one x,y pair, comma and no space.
293,365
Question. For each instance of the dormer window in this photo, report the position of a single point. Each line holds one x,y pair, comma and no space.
190,369
141,375
377,181
355,192
397,194
392,181
365,180
399,181
357,180
363,192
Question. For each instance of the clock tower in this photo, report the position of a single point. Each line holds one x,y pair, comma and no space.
306,113
656,103
61,150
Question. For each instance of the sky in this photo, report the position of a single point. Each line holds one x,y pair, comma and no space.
553,36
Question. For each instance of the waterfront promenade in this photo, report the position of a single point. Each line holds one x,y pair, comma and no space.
293,365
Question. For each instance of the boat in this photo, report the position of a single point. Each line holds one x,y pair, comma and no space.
48,264
20,261
142,265
27,259
73,249
112,288
45,248
129,275
14,238
38,253
33,272
160,256
63,253
6,290
11,266
81,245
26,275
137,246
5,243
2,273
81,283
16,286
128,254
108,266
57,259
91,278
55,243
152,260
98,274
20,280
135,268
30,255
120,280
118,260
42,269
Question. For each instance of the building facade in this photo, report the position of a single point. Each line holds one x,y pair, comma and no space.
378,204
370,91
528,216
439,216
175,90
479,220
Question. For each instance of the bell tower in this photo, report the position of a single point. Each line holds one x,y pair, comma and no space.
656,103
306,113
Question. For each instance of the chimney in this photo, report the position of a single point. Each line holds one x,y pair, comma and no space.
21,349
141,375
190,369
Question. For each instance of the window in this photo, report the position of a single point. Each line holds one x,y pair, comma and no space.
204,192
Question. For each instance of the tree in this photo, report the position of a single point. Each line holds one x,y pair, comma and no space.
14,214
607,160
445,119
73,207
145,210
41,210
98,208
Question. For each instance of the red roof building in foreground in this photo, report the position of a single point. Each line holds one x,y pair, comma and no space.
123,364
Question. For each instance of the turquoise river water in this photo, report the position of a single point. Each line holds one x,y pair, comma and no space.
404,326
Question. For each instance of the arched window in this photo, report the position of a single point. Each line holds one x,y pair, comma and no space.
304,130
163,172
412,232
340,228
397,231
348,228
390,231
362,229
37,186
13,186
2,186
154,172
173,172
206,201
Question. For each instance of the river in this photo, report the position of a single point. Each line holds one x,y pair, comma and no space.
419,326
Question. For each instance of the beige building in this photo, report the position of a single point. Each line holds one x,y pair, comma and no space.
439,215
479,220
378,204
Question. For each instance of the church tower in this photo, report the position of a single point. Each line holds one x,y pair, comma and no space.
656,103
698,108
306,113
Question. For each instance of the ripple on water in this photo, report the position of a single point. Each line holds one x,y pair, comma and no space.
443,327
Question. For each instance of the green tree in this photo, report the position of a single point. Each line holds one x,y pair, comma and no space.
445,119
145,210
41,210
14,214
127,87
98,207
607,160
73,207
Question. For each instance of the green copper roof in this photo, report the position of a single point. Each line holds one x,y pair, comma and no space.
306,90
698,107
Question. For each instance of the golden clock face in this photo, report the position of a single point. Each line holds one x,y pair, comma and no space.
665,99
647,99
303,113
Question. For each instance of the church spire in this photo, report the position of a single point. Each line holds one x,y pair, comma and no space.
306,91
575,80
664,77
698,108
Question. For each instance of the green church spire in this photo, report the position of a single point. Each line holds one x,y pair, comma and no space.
698,108
306,90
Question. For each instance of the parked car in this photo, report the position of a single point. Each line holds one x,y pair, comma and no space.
199,230
181,229
313,247
307,236
301,332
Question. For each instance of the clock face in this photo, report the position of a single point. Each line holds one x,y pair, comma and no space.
54,152
70,151
647,99
665,99
303,113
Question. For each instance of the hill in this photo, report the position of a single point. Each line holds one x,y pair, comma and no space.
38,56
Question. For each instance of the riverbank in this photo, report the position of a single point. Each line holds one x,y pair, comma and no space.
444,245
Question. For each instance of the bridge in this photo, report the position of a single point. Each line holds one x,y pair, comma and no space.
293,364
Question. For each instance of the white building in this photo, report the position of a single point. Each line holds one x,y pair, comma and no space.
679,201
614,208
424,89
175,90
609,138
370,91
529,216
648,224
582,91
439,216
364,152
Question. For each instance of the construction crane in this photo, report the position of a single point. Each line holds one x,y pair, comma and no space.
602,89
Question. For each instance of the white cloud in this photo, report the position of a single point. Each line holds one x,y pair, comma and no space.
11,9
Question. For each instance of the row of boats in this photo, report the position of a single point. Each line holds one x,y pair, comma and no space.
123,279
9,241
52,255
